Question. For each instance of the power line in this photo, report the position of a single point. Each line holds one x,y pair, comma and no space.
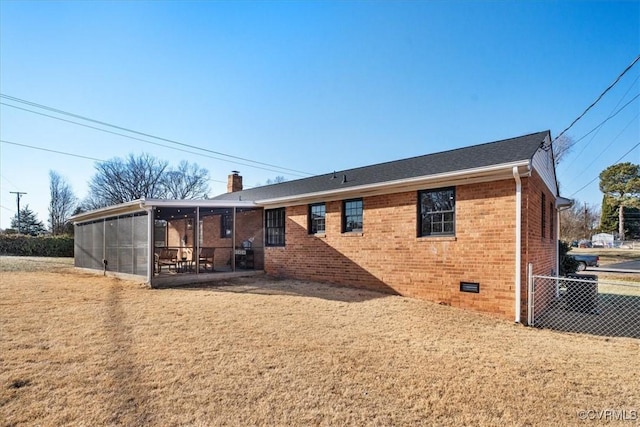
4,178
18,194
44,107
142,140
589,183
51,151
584,147
606,120
72,155
599,97
595,158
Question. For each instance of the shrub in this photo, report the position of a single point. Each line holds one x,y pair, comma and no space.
568,265
46,246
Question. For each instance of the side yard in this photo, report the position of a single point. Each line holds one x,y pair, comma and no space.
78,349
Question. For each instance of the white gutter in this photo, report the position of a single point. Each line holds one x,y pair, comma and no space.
123,208
516,176
563,203
199,203
146,204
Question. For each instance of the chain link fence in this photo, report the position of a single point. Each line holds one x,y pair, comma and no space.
627,244
584,304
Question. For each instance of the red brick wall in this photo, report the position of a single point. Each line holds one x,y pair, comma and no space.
211,237
176,230
388,256
537,249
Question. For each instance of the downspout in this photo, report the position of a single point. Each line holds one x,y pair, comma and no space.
557,242
516,176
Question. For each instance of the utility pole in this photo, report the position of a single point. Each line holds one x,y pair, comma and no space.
586,223
18,195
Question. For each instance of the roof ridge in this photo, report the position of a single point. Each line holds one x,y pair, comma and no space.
438,152
502,151
342,171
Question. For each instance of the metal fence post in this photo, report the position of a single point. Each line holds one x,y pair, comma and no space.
532,293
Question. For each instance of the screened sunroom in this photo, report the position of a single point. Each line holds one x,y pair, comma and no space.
171,241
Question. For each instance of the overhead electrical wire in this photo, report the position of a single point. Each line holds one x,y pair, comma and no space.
589,183
605,120
142,140
33,147
58,111
599,97
51,151
599,126
595,158
5,179
584,147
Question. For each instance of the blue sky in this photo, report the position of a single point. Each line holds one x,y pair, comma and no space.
311,86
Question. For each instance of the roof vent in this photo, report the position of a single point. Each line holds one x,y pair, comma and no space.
344,178
334,175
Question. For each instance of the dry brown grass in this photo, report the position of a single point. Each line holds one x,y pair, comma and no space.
77,349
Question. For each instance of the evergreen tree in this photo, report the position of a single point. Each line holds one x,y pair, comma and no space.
29,223
609,221
621,182
608,216
632,223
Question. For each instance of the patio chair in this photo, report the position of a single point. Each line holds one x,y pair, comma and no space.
206,258
168,257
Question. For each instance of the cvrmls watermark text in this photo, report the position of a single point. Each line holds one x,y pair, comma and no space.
608,414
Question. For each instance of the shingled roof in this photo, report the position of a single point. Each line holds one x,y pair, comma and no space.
506,151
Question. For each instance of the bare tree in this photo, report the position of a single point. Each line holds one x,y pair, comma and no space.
561,147
578,222
277,180
187,181
63,202
118,181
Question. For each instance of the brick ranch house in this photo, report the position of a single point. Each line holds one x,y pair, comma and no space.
457,227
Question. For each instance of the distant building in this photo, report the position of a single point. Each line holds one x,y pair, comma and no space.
602,240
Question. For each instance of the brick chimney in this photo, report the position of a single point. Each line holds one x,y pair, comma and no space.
234,182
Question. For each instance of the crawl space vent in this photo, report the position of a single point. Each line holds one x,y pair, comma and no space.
470,287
